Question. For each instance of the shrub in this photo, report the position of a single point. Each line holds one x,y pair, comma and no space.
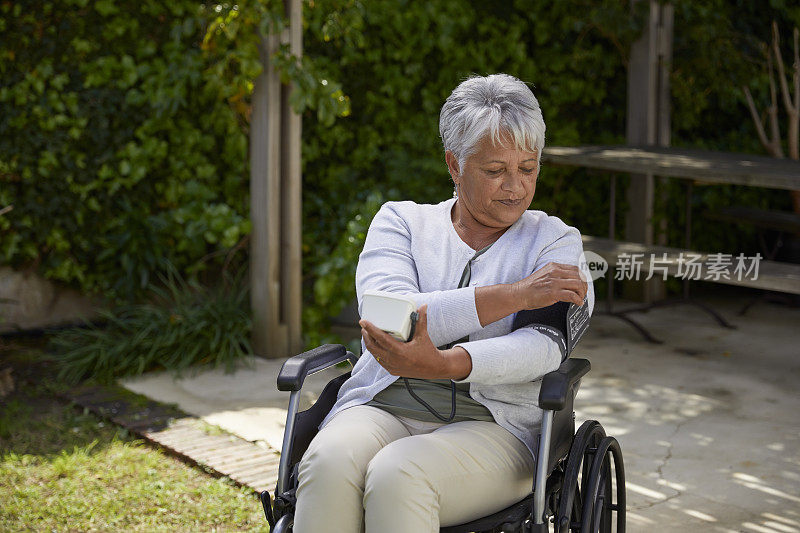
183,325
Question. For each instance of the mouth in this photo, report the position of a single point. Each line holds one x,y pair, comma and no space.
511,203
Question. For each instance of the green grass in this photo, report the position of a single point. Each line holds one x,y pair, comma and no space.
63,469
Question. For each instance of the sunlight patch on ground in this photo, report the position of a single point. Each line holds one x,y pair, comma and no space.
644,491
699,515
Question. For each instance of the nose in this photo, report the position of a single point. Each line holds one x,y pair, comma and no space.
514,184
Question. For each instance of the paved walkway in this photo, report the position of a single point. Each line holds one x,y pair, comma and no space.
709,421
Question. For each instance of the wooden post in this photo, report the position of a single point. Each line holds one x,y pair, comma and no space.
292,217
275,205
648,123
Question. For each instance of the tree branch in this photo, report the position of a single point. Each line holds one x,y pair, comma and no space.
794,113
796,35
787,101
762,136
772,110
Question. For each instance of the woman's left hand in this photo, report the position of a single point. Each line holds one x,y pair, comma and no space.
417,358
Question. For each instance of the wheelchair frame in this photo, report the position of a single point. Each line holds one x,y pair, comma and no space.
558,496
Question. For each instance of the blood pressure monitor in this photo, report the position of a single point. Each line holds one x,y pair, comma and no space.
396,314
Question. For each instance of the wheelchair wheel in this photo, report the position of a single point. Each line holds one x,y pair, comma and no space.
597,504
579,461
284,525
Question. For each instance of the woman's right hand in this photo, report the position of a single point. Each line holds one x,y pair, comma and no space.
555,282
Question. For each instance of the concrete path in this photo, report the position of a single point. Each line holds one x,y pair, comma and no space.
709,421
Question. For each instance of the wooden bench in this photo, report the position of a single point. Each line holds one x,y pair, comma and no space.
692,166
780,222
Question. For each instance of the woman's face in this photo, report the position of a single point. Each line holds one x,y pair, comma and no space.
497,182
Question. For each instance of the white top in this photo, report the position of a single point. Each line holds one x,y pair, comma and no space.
414,249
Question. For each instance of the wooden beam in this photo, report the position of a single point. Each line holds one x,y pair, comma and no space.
276,202
291,195
269,334
648,123
701,165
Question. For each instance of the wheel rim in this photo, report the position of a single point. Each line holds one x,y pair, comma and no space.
597,504
569,507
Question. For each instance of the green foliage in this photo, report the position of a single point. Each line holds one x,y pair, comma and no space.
334,287
185,324
399,62
123,134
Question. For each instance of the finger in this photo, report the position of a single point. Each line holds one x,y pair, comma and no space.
569,296
579,288
572,284
572,280
379,336
422,319
576,285
564,266
567,271
556,270
373,348
365,331
367,339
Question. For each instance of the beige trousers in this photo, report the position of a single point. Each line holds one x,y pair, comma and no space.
368,470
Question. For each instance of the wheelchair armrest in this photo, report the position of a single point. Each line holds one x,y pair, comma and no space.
295,369
556,384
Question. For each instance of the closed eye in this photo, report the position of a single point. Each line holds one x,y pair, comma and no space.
494,172
527,170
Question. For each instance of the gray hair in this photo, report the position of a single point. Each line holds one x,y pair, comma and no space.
492,105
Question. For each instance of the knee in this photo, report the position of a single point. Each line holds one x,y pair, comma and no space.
328,457
396,469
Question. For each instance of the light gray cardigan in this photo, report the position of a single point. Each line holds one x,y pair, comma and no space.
414,249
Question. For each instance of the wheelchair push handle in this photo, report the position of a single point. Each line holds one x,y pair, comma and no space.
294,371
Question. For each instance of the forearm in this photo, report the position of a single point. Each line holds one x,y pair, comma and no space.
459,363
495,302
456,313
518,357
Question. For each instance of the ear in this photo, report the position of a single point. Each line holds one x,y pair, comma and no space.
452,166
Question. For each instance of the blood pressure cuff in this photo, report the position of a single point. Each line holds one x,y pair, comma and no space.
563,322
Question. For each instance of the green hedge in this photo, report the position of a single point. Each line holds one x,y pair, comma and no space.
123,135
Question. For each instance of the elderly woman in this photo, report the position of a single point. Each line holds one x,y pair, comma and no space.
440,430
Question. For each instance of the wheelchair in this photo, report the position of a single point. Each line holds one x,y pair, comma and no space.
573,485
